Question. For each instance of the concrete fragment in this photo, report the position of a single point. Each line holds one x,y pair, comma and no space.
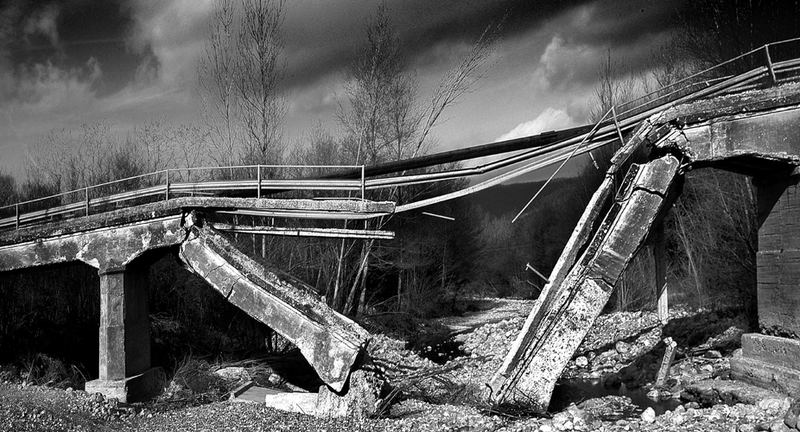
299,402
360,400
669,355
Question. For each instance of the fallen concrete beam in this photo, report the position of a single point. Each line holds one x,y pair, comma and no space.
329,341
530,371
576,243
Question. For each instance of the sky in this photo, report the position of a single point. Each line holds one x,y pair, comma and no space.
64,63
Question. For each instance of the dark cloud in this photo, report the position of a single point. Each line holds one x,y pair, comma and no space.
63,62
324,37
321,37
68,34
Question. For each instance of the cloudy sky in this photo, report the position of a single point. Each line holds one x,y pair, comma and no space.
63,63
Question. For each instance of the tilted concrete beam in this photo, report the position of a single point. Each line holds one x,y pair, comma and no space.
329,341
537,358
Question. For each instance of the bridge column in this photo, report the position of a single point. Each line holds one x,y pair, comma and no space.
124,366
771,358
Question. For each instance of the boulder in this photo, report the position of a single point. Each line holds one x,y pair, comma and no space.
649,415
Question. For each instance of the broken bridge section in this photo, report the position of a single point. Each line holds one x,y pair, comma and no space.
115,242
753,133
329,341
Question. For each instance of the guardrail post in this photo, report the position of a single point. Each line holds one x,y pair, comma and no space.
86,198
363,184
770,68
16,209
258,192
166,192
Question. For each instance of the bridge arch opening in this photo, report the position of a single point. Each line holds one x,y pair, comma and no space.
49,316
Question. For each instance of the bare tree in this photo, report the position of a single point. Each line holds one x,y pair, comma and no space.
615,86
384,119
240,76
259,70
8,189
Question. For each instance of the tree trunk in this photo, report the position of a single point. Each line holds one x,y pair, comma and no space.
687,246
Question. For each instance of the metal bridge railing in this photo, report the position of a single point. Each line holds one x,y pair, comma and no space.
244,180
769,64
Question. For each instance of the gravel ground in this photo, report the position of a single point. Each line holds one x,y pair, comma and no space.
35,408
438,399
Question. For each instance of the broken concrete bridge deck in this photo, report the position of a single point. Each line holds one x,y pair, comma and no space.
114,241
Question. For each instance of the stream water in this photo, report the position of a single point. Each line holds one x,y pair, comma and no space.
576,391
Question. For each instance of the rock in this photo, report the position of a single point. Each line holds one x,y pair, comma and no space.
562,421
678,419
608,407
691,405
69,390
778,426
774,406
581,419
763,426
233,373
654,394
581,362
713,354
275,379
546,428
622,348
791,417
649,415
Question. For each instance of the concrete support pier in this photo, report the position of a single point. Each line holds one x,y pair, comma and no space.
771,358
125,371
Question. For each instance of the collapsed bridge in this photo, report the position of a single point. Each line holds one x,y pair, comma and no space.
746,123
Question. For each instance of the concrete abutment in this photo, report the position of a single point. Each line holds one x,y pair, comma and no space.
771,358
